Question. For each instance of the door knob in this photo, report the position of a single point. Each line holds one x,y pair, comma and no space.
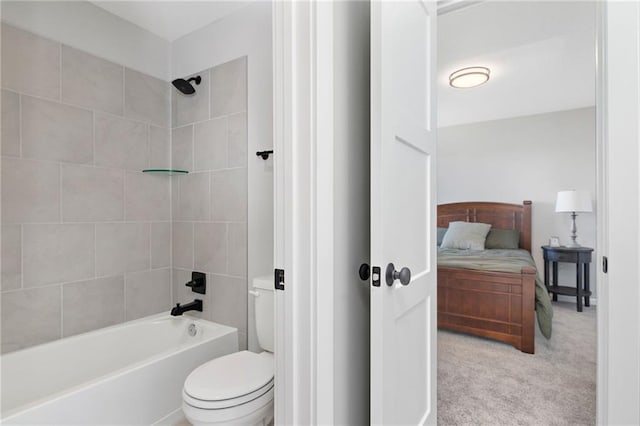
364,272
404,275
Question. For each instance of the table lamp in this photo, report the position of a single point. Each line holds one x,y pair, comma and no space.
572,202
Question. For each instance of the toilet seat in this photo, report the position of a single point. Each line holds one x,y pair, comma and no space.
230,381
227,403
258,411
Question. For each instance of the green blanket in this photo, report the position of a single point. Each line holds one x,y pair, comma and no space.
502,261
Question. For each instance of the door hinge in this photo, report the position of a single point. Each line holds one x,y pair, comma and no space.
605,264
278,279
375,276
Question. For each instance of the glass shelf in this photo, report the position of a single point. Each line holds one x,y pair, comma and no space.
166,171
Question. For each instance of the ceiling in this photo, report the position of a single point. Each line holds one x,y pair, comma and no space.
171,20
541,56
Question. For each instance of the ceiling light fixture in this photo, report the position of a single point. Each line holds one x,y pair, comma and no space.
469,77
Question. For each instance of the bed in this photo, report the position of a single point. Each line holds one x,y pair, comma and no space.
493,303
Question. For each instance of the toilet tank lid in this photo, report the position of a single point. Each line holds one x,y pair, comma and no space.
263,283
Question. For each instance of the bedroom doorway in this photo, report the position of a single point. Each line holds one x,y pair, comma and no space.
526,134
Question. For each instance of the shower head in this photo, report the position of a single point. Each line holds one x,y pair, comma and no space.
185,86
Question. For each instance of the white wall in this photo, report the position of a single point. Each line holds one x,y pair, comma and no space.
525,158
245,32
87,27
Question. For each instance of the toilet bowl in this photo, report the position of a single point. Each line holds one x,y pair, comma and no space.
233,389
236,389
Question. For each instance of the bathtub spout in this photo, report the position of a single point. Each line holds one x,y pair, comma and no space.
196,305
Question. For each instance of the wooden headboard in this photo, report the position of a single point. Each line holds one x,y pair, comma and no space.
499,215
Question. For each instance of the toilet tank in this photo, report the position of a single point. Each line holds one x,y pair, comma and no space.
264,310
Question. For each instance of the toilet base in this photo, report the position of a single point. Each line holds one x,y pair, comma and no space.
263,416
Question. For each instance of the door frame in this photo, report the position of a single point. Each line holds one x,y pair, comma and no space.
303,222
601,218
618,210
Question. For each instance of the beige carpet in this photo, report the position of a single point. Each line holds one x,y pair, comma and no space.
482,382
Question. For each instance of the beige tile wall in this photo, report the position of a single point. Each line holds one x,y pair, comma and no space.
86,237
89,241
209,205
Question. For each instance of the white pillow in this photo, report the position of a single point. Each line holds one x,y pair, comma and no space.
466,235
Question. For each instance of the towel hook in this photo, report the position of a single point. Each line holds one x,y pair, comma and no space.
264,154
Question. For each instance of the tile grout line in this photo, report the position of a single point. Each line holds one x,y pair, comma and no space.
21,256
171,198
95,250
61,311
99,277
60,72
149,146
100,166
219,117
93,137
239,277
210,190
171,216
150,245
170,282
20,124
102,222
193,243
60,207
70,163
131,222
193,154
124,195
124,296
85,108
124,91
226,248
226,142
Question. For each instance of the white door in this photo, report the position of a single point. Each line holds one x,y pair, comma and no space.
618,215
403,212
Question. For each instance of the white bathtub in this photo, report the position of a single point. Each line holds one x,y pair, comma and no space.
130,373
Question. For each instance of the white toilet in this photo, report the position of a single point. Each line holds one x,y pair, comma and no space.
237,389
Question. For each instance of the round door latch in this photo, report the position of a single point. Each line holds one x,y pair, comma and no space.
364,272
391,275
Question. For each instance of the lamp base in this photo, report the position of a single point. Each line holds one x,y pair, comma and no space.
573,244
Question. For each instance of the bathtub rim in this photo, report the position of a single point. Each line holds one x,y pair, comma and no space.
104,330
225,330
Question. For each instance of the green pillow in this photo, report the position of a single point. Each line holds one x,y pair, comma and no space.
441,232
503,239
466,236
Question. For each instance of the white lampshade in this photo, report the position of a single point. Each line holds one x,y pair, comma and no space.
573,201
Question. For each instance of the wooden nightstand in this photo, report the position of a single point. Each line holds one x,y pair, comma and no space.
581,256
